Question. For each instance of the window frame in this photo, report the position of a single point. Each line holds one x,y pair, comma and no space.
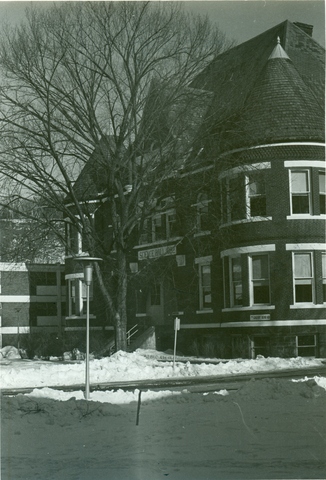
230,215
202,209
302,347
312,279
308,193
232,281
323,270
321,193
263,280
254,347
248,181
202,263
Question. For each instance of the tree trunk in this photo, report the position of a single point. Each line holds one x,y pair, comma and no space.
121,315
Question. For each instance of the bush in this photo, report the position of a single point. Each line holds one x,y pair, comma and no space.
42,345
209,347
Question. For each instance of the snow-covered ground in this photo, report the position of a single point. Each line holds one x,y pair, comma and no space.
269,428
122,366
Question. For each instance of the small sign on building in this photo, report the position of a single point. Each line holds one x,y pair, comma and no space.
157,252
258,318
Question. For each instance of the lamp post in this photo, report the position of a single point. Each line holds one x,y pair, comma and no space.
88,274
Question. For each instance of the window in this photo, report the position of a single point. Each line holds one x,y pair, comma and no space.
256,195
155,294
303,277
260,283
171,221
235,281
202,213
243,195
323,264
158,228
162,225
205,290
306,345
300,192
260,345
322,193
145,235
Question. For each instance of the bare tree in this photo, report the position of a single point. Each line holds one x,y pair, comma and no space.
101,88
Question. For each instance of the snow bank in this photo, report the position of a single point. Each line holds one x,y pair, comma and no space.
134,366
114,397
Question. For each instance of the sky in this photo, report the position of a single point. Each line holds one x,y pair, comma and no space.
239,19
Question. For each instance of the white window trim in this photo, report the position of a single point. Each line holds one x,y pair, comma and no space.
207,259
298,306
250,249
305,246
248,220
250,308
305,216
293,164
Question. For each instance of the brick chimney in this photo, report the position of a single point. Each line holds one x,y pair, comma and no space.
305,28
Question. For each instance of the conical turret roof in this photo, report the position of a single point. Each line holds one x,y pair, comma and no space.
279,108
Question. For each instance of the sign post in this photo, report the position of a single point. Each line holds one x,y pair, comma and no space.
176,328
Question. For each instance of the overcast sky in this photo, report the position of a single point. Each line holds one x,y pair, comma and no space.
240,20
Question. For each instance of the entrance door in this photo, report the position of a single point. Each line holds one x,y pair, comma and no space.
155,304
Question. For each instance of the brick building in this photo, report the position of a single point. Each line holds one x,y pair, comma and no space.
32,288
32,300
236,245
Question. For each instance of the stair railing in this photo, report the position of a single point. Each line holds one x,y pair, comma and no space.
131,333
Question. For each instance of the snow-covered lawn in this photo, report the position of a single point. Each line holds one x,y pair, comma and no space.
140,365
270,428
